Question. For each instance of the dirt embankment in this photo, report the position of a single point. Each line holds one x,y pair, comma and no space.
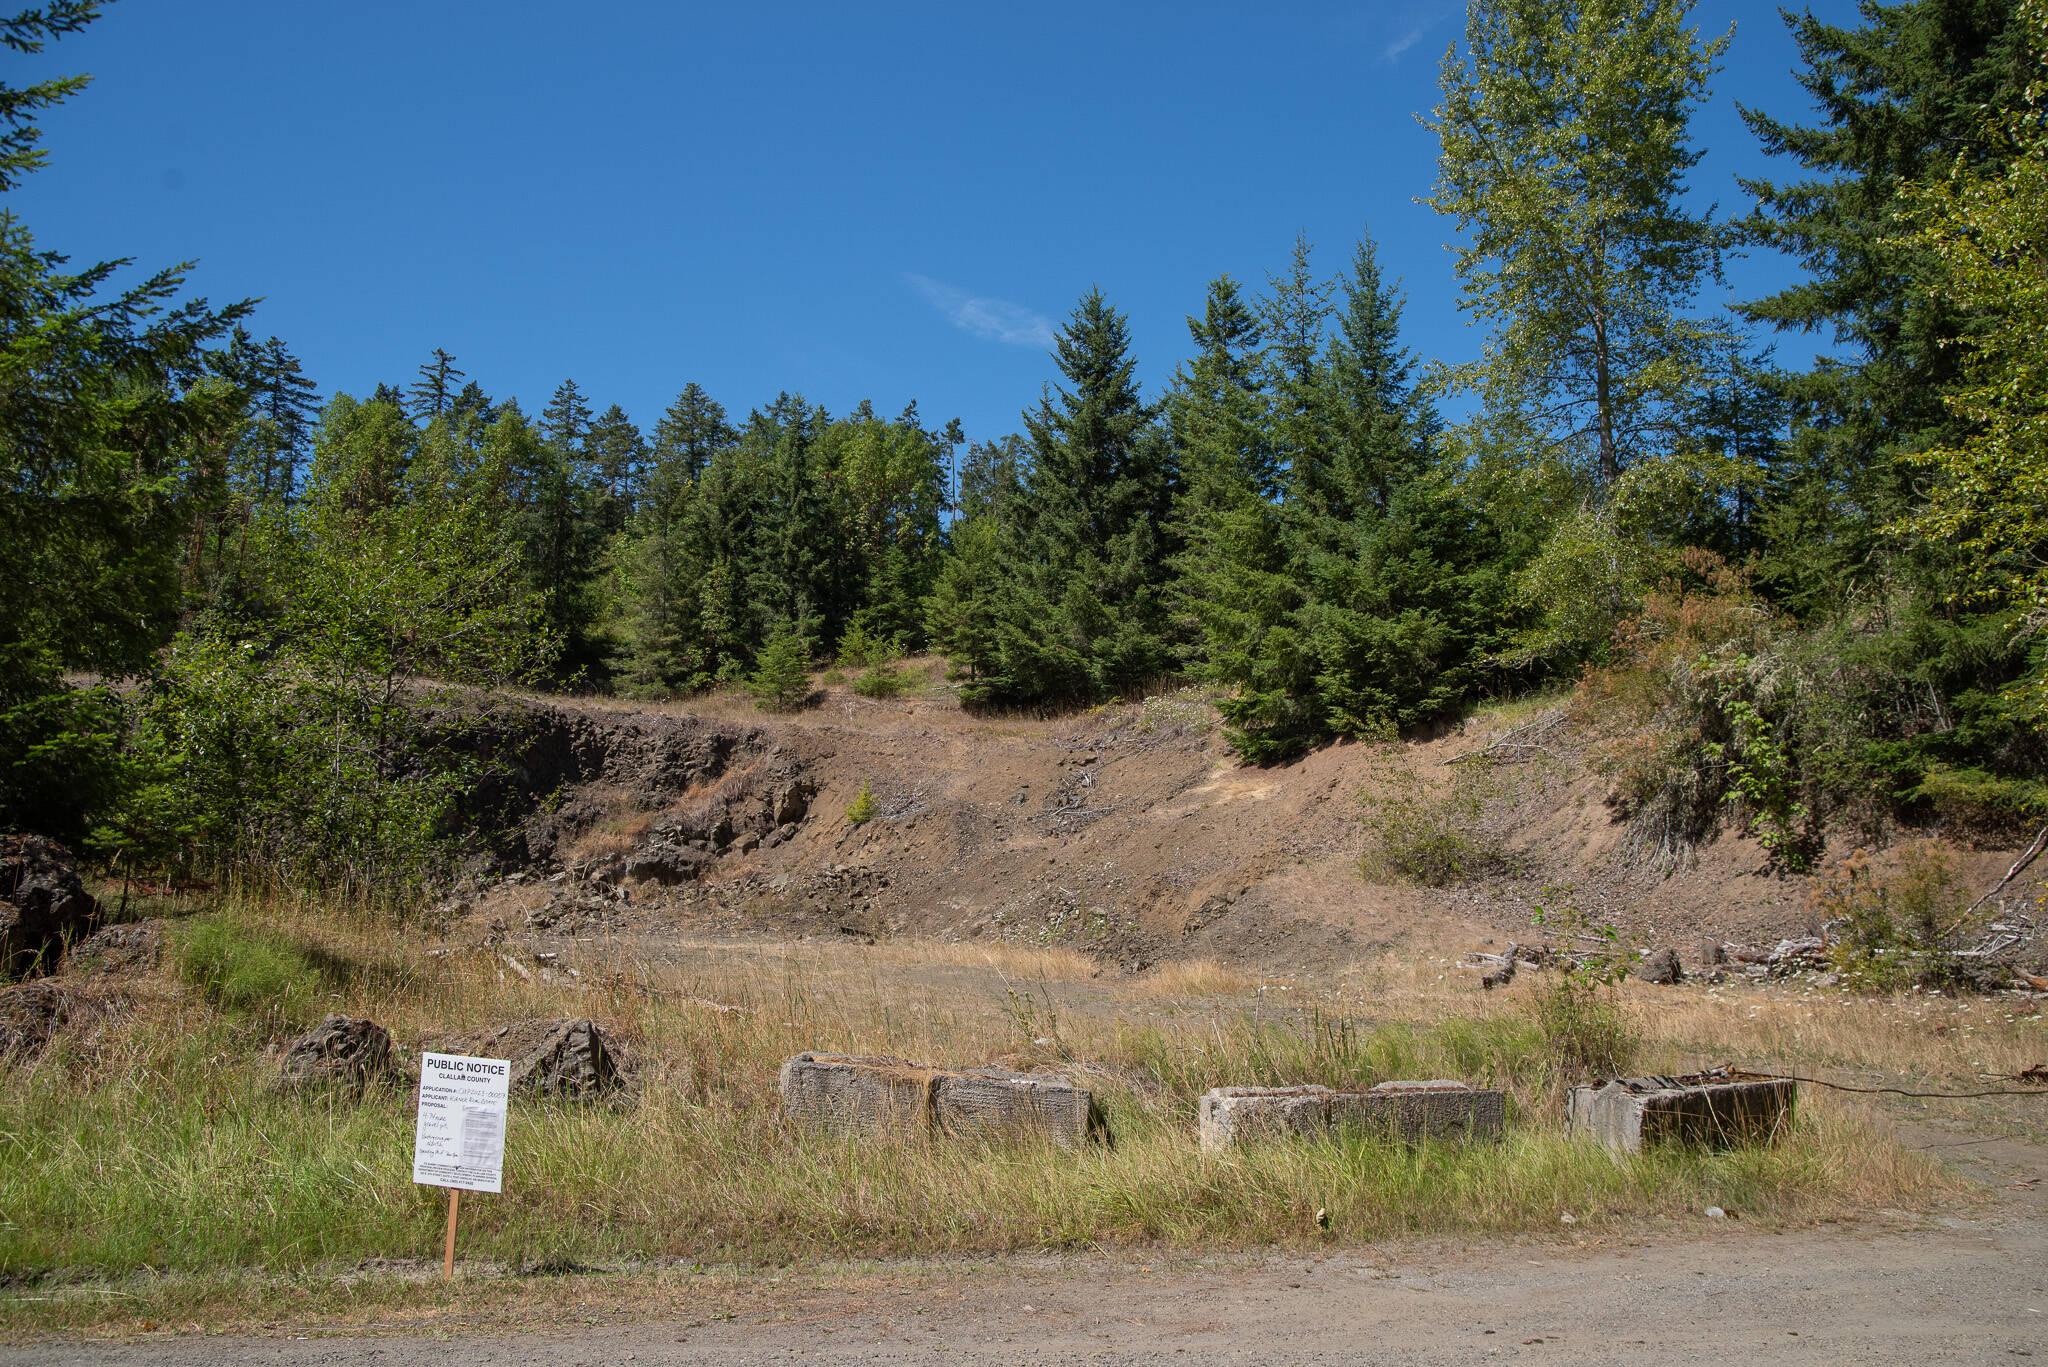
1128,832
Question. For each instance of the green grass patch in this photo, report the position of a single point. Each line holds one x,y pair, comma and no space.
247,971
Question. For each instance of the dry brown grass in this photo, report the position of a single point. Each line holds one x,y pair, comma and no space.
1192,978
164,1144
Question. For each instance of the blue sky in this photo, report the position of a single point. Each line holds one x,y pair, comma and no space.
890,201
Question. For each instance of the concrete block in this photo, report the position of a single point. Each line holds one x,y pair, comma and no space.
1704,1108
1408,1111
850,1095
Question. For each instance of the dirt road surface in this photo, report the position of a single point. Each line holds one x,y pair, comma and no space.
1891,1290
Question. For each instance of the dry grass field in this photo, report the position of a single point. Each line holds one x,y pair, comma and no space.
158,1140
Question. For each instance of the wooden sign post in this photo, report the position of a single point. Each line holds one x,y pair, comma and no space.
459,1139
448,1258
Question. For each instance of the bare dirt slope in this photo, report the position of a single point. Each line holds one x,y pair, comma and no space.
1128,832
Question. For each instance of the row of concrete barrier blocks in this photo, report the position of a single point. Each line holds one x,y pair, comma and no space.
848,1094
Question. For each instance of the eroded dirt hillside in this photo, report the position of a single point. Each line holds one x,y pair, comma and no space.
1128,832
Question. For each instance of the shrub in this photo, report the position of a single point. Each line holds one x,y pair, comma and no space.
1892,932
1431,837
782,676
1578,1013
881,681
863,807
1716,709
875,657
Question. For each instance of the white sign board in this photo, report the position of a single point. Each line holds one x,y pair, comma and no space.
460,1139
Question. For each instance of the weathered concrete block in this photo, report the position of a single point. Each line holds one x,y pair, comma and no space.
851,1095
1705,1108
1407,1111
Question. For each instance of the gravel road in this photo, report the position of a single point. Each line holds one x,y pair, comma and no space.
1948,1290
1891,1289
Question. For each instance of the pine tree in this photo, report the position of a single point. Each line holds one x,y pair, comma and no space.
433,394
1296,312
782,680
690,433
566,420
1075,605
797,543
617,457
1356,599
103,399
1902,99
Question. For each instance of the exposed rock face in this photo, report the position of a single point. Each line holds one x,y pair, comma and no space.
534,754
131,947
743,813
1661,967
341,1049
42,904
575,1059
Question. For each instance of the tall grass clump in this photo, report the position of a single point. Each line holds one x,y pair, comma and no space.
1578,1010
247,971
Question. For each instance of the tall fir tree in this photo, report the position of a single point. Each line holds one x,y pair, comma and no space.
1901,99
690,433
434,392
1075,606
616,454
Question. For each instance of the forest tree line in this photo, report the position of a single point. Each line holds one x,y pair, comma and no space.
1818,587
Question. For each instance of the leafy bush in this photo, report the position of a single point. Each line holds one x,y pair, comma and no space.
1714,708
1892,932
875,657
1432,837
246,971
1578,1012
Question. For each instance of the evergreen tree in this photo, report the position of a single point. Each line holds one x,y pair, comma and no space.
690,433
1902,99
433,394
1218,410
1077,608
617,457
1296,313
566,420
1353,601
782,682
797,544
283,404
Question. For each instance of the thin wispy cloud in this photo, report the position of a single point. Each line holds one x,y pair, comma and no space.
1430,18
997,320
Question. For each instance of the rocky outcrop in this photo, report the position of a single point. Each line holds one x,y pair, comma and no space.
43,904
747,811
575,1059
131,947
340,1051
1661,967
32,1013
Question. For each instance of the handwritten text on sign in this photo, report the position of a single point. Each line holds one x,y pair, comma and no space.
460,1140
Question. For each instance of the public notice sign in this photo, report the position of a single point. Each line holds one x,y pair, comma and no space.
460,1138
